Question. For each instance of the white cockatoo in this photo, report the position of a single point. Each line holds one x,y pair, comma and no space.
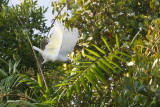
61,43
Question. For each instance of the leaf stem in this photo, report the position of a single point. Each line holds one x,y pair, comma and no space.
135,37
35,56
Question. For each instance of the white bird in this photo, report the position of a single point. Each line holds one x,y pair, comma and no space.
61,43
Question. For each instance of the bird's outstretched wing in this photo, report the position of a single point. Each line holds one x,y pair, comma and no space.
55,42
69,41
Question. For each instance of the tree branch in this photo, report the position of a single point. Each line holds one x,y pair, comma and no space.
56,17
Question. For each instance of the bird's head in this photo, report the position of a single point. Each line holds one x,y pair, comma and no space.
68,61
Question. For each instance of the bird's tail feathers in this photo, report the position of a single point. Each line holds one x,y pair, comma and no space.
42,53
37,49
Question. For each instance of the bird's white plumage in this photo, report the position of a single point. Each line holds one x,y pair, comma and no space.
69,41
61,43
55,42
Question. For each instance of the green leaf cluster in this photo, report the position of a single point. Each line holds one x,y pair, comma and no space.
115,62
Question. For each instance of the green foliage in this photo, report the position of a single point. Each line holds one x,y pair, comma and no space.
14,20
94,78
142,86
99,22
115,62
11,88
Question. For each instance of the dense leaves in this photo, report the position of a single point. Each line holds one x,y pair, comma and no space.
15,21
115,62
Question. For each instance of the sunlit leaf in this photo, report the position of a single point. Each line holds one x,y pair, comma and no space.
99,49
122,53
94,53
113,63
102,78
117,41
118,57
90,57
89,78
105,42
77,84
84,83
98,70
69,93
92,75
108,65
39,80
104,67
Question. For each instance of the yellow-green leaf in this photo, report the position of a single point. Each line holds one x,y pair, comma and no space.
99,49
108,65
109,60
39,80
104,67
89,78
118,57
117,41
94,53
105,42
123,54
78,87
98,70
90,57
84,84
102,78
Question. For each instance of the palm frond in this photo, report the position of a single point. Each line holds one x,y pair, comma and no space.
98,71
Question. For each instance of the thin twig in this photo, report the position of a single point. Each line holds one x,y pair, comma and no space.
38,64
56,18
